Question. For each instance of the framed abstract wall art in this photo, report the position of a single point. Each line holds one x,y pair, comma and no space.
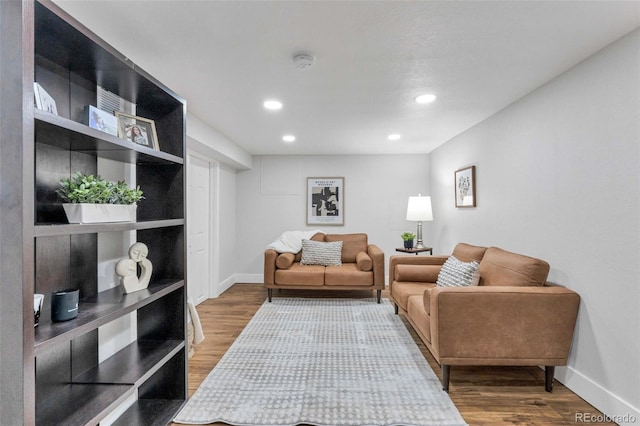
325,201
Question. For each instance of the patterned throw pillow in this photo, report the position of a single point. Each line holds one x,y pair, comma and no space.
321,253
455,273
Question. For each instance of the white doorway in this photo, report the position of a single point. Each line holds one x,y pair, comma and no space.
199,225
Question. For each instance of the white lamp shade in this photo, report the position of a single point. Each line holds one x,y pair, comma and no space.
419,209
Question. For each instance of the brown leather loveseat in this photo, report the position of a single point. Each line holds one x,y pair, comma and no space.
362,267
510,318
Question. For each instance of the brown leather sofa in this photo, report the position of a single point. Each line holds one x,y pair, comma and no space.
510,318
362,268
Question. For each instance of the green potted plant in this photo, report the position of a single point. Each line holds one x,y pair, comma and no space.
408,239
91,199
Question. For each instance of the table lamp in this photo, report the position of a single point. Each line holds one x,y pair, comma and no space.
419,209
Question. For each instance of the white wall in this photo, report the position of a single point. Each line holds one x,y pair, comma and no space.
558,178
227,217
211,144
272,199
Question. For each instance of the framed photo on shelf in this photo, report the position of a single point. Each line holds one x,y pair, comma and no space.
465,187
325,201
100,120
138,130
44,101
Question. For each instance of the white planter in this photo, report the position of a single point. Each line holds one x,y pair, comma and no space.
100,213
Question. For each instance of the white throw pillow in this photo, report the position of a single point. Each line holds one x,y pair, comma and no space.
320,253
455,273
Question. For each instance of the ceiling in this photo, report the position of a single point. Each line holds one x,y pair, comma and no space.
372,59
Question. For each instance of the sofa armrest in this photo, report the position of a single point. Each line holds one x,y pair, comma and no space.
377,257
509,325
270,257
412,260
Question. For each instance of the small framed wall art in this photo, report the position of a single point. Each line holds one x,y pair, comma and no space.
465,185
325,201
141,131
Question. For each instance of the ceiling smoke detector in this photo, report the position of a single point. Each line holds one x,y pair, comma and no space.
303,61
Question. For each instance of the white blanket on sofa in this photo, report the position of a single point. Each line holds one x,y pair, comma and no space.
291,241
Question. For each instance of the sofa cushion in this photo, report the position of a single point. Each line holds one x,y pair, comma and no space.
364,261
319,253
299,274
455,273
401,291
352,244
417,273
285,260
418,316
500,267
347,274
468,253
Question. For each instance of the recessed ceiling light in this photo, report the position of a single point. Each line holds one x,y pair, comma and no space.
394,137
272,104
425,99
289,138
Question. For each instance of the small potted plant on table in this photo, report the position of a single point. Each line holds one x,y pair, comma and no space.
91,199
408,239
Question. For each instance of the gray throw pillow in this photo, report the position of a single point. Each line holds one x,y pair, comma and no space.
320,253
455,273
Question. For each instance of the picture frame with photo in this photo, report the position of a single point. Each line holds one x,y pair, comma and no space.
138,130
100,120
465,187
325,201
43,100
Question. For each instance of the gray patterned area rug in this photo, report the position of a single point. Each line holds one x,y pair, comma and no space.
325,362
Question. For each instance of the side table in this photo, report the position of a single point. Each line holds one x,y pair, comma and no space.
415,250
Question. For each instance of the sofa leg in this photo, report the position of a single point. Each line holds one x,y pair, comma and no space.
395,306
269,294
378,295
446,369
549,371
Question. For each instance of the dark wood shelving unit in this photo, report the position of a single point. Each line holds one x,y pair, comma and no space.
81,404
134,364
74,136
99,310
62,373
55,229
149,412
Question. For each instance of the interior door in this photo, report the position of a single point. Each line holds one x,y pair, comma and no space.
199,225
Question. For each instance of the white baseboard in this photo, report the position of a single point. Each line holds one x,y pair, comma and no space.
249,278
226,284
615,408
239,278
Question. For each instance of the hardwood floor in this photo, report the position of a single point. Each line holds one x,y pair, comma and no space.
483,395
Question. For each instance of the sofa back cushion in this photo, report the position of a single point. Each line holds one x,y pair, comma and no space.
468,253
352,244
502,268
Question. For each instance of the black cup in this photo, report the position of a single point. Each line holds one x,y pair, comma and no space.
64,305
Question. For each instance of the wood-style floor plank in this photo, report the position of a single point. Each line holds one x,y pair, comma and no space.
483,395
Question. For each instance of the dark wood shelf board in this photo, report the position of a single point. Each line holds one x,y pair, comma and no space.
74,136
99,310
51,230
149,412
80,404
134,364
